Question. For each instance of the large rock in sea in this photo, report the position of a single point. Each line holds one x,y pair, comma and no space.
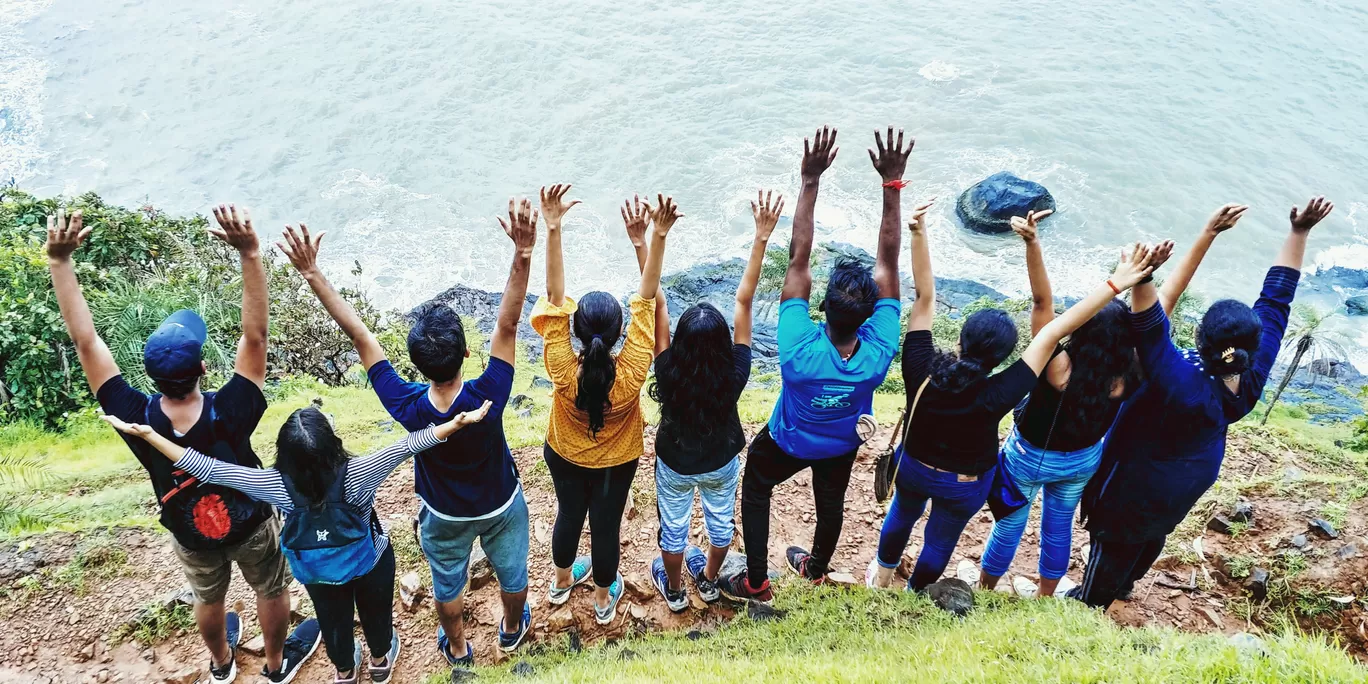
1357,305
989,205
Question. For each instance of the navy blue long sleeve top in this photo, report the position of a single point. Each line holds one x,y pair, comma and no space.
1170,437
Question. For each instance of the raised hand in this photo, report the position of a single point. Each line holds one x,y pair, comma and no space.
1026,227
1160,254
64,235
918,223
135,429
766,211
234,230
461,420
636,216
521,225
554,206
301,248
1133,267
1316,210
819,153
891,161
1225,218
665,214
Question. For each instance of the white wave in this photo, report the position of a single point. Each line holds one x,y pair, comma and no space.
22,76
939,72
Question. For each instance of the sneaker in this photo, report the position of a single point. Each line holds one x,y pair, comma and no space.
228,671
508,642
799,561
382,673
579,574
676,600
606,614
697,562
444,645
739,588
301,644
871,572
356,669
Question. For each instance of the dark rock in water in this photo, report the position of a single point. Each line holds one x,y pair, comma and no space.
957,294
831,252
538,382
1324,529
1243,512
1336,369
989,205
1357,305
1257,584
484,308
524,669
763,612
1220,524
952,595
1335,278
1326,388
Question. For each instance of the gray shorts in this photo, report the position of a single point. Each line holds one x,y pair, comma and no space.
258,558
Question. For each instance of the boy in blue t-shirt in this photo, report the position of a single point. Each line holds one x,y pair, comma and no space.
825,408
468,485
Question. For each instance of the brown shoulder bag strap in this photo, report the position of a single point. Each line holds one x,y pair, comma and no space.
907,425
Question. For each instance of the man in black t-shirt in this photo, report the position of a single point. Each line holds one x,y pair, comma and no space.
211,527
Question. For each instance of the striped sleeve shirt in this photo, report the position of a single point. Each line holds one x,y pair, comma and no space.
364,476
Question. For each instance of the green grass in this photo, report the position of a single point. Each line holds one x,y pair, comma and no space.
834,634
155,624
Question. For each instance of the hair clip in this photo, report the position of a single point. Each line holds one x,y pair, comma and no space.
1228,355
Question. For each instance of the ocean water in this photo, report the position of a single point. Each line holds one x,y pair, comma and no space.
402,127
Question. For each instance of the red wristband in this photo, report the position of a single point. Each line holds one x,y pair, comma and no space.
896,183
1113,286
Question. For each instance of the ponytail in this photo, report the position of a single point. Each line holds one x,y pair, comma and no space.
1227,337
598,325
986,340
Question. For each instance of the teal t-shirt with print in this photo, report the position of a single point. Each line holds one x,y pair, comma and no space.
823,396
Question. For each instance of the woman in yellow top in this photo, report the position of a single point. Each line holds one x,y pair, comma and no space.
594,438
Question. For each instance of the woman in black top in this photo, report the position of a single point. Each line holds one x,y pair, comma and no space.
950,452
698,381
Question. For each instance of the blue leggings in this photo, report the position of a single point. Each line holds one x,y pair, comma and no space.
1063,475
953,504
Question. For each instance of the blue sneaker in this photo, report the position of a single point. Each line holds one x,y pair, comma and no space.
380,674
697,562
301,644
227,672
508,643
579,574
444,645
356,668
606,614
676,600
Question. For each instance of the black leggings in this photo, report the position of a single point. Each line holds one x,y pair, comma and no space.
1113,569
766,466
373,596
599,493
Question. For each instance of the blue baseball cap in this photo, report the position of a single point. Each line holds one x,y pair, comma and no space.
173,351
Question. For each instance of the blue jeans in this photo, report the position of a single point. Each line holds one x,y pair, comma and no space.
674,504
448,544
1063,475
953,504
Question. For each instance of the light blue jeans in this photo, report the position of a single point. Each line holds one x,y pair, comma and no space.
674,501
1063,475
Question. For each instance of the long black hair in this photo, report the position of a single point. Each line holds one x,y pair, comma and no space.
310,453
1101,351
986,340
597,324
693,386
1228,337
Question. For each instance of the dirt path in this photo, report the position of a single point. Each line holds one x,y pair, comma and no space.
59,631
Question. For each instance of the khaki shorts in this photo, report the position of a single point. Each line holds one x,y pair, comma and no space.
258,558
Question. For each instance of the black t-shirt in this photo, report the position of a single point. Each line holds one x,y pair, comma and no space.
958,431
1049,421
692,454
202,517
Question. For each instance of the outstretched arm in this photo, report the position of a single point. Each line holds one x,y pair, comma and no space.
239,234
64,237
663,216
766,210
1042,299
521,227
302,250
1293,250
555,262
924,308
817,157
1176,284
636,217
890,162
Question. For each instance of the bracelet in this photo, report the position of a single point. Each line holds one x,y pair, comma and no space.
896,183
1113,286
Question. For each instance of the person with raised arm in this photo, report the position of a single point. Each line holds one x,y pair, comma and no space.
1056,441
1176,284
594,439
468,486
212,528
1169,441
337,546
949,452
699,378
829,372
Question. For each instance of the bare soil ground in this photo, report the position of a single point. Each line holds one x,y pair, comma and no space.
56,628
